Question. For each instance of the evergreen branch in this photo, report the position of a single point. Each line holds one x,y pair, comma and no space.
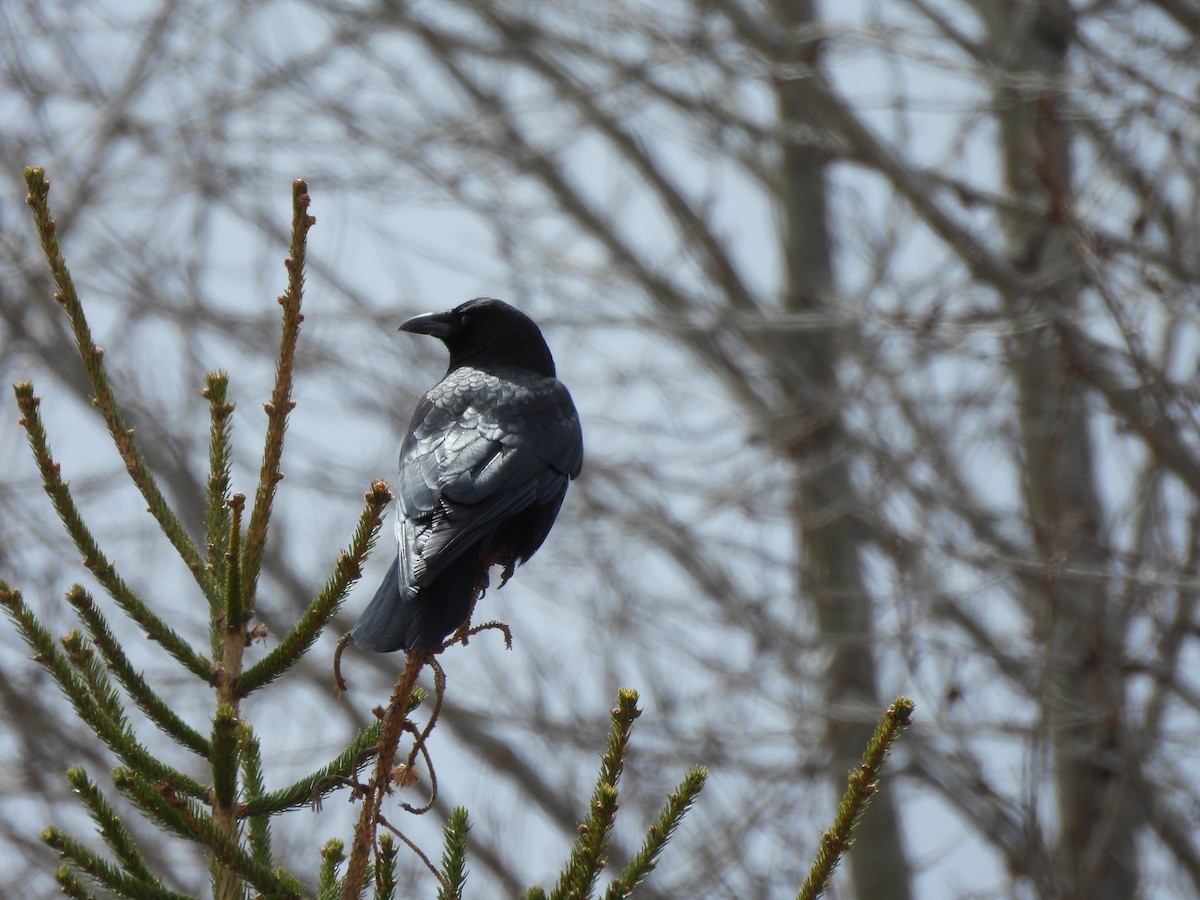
385,868
216,512
111,724
259,836
863,783
187,819
234,613
657,835
319,784
118,663
82,656
225,755
112,829
454,857
91,709
93,558
333,854
324,607
281,403
92,357
337,888
70,886
578,879
220,452
587,858
226,882
103,872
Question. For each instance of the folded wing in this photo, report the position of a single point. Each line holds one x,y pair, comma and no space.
485,465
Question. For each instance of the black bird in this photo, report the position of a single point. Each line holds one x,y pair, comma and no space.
484,468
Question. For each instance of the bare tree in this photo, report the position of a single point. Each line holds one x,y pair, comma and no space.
883,324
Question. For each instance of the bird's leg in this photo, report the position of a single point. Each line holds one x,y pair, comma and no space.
463,632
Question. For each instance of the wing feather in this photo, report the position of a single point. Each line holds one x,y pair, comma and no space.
481,448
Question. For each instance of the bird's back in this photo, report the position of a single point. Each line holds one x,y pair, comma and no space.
484,468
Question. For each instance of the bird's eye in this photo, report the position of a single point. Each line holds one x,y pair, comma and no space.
464,320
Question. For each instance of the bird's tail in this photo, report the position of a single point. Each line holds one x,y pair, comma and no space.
418,618
383,626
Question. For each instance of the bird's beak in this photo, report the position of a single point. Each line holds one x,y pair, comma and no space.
438,325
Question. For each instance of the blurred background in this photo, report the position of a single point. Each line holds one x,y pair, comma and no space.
882,321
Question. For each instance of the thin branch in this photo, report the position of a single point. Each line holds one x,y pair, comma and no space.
281,403
92,357
863,784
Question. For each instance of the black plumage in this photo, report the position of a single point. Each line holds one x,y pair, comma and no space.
484,468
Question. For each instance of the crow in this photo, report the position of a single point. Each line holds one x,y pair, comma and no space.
484,468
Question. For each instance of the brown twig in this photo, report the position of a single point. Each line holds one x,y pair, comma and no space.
394,721
417,850
488,626
439,692
339,683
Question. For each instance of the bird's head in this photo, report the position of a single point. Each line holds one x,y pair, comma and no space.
486,333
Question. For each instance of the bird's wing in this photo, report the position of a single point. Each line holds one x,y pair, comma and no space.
481,447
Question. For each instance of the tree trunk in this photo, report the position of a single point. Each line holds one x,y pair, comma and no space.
826,508
1075,615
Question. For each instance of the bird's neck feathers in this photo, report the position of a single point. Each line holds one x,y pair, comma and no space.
528,353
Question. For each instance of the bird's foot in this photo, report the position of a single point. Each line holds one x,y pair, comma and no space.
509,568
